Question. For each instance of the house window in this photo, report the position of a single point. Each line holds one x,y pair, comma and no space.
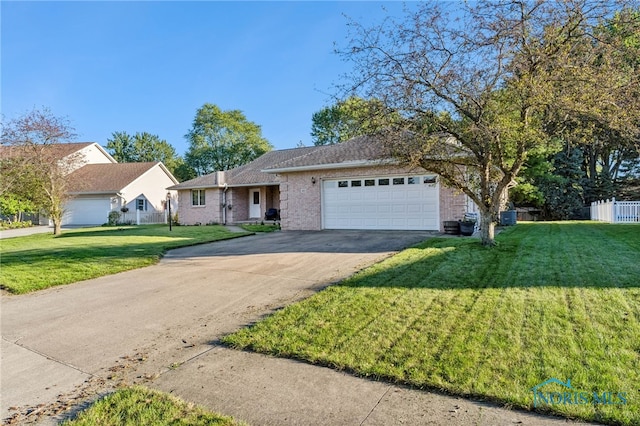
141,204
412,180
343,184
429,179
369,182
356,183
398,181
383,182
197,197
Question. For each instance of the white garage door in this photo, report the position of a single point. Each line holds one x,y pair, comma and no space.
87,211
382,202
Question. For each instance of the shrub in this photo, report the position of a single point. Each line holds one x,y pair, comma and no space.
5,224
114,216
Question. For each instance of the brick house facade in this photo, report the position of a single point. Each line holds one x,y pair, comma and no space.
295,182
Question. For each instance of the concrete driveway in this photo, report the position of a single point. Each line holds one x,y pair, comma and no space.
54,340
158,326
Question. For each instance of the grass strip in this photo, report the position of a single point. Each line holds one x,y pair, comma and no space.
253,227
40,261
138,406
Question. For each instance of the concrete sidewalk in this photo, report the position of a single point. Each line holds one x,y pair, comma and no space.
23,232
263,390
40,229
158,327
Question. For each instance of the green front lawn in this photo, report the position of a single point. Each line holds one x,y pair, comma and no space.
40,261
553,300
260,228
138,406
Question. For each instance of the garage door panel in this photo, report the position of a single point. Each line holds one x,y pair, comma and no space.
400,209
398,195
398,206
87,211
414,208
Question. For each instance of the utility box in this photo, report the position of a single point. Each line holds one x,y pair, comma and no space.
508,218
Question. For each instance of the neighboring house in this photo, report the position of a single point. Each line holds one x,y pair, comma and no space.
98,184
98,189
351,185
78,154
74,155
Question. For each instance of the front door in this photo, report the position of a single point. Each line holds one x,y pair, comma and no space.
254,204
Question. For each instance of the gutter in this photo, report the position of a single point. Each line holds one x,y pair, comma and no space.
343,165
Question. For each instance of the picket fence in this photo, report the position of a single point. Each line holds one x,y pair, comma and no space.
613,211
139,217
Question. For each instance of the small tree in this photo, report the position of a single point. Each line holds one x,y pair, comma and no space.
38,173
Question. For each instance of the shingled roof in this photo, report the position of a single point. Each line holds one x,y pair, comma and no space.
250,173
359,151
108,177
56,151
362,150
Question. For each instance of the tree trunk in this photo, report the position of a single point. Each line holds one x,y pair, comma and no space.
57,225
487,229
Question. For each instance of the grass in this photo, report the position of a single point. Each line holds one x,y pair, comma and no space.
557,300
40,261
260,228
137,406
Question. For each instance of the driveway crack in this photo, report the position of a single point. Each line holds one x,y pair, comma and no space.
375,406
50,358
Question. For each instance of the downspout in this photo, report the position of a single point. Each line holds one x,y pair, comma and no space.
224,204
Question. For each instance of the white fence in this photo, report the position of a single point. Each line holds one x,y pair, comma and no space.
139,217
613,211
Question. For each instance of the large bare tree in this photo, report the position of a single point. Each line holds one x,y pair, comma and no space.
33,162
474,84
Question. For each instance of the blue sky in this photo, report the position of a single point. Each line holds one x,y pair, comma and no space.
148,66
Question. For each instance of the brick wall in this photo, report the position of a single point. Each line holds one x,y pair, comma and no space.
453,204
300,201
210,212
237,198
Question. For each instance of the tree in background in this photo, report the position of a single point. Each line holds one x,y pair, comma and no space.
562,187
597,103
221,140
32,172
144,147
347,119
609,154
473,88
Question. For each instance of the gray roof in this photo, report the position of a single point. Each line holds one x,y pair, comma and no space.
361,149
364,150
248,174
